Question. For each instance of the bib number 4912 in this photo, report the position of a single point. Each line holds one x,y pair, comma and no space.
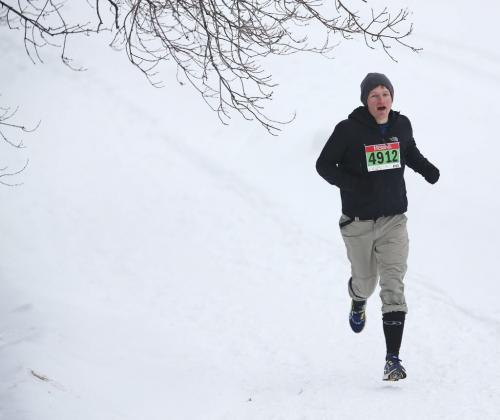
380,157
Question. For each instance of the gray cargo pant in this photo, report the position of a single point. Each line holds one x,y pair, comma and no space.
378,249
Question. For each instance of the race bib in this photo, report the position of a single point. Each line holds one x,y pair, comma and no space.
380,157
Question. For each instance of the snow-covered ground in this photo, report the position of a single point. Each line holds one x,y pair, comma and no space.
158,265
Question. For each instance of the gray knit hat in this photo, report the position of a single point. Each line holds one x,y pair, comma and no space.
371,81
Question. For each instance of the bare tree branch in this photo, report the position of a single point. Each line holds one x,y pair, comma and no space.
6,115
11,174
218,46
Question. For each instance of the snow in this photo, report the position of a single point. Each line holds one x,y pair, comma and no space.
158,265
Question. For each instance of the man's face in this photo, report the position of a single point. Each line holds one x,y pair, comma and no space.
379,104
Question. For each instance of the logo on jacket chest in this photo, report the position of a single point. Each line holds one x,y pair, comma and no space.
381,157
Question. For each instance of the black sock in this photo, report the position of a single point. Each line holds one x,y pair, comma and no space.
394,323
358,305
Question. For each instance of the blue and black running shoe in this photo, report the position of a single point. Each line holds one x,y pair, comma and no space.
357,318
393,370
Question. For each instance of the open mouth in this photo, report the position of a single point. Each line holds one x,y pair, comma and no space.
381,108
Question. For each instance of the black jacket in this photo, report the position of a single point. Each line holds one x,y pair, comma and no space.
343,163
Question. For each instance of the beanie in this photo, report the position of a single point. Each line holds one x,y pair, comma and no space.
371,81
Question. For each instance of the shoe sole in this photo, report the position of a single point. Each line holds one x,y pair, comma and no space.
394,376
357,331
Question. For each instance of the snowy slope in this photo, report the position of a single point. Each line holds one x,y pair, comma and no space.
157,265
